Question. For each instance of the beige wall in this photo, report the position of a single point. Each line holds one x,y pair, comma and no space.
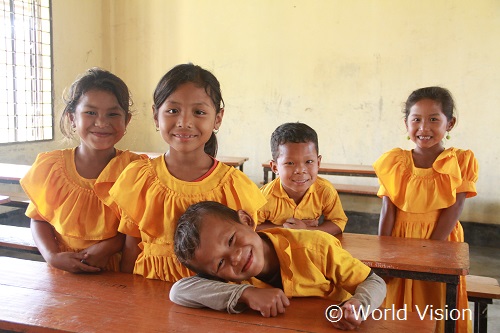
343,67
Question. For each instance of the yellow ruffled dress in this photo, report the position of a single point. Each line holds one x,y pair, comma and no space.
419,195
80,210
152,200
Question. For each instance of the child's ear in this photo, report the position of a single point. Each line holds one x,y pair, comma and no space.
155,115
246,219
451,124
274,166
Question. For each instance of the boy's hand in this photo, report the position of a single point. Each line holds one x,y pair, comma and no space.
268,301
293,223
348,320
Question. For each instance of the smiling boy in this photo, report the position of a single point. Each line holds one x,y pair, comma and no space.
298,198
220,243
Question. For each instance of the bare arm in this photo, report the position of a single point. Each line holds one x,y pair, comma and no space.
45,240
448,218
130,253
98,254
387,217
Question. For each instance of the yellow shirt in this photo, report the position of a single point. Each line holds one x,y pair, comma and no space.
152,200
320,199
420,195
313,263
80,210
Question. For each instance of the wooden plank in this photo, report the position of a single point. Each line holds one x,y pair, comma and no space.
339,169
18,238
386,252
12,173
482,287
37,298
356,189
4,199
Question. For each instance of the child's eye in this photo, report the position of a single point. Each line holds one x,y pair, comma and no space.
230,240
90,113
115,114
221,262
309,161
200,112
172,111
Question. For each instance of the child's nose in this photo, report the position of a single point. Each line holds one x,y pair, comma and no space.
184,120
101,121
236,257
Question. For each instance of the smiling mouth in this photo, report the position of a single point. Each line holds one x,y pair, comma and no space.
248,262
184,136
101,134
421,137
301,181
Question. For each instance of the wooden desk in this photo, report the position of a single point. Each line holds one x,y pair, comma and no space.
37,298
4,199
12,173
331,169
236,162
410,258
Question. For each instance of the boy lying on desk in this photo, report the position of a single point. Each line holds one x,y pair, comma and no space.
220,244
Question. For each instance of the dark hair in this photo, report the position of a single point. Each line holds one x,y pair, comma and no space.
437,94
184,73
187,232
93,79
292,132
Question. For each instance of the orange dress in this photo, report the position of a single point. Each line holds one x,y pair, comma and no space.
420,195
80,210
152,200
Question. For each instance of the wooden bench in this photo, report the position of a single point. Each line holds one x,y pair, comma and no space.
335,169
17,238
14,199
481,290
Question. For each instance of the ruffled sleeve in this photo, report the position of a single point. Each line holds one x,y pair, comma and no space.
68,202
418,190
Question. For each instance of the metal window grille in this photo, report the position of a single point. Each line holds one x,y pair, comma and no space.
26,112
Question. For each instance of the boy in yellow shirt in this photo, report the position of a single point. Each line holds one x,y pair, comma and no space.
220,243
298,198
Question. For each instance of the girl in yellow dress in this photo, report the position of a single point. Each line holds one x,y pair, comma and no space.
153,194
423,192
73,220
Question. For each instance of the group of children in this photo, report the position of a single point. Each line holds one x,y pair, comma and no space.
95,207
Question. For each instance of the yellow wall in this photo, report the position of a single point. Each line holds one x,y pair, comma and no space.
343,67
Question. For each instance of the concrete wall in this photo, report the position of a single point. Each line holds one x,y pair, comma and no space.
343,67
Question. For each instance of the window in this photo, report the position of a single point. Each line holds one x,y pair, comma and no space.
25,71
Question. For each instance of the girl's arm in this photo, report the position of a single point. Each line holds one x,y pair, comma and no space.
45,240
98,254
387,217
130,253
448,218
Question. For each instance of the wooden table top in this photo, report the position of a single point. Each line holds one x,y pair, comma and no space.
37,298
408,254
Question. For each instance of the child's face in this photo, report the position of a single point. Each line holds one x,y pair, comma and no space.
187,118
427,124
99,120
229,250
297,165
